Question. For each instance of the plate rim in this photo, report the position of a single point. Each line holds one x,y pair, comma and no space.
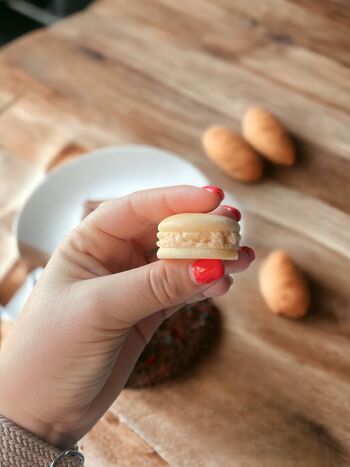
93,154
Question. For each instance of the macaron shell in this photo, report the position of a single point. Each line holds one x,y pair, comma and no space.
196,253
196,222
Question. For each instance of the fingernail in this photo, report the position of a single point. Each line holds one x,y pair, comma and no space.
233,211
249,251
214,189
208,270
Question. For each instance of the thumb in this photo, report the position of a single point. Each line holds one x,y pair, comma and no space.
132,295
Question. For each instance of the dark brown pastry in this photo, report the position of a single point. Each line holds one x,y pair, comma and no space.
177,345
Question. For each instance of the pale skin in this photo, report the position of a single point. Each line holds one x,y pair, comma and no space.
100,299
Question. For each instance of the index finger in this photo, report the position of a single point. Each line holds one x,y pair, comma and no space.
132,215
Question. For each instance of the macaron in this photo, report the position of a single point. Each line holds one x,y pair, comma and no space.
194,235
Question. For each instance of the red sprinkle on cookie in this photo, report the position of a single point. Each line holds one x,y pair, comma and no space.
179,343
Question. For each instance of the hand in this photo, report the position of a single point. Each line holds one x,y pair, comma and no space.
98,302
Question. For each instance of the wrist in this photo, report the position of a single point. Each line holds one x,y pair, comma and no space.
45,431
19,446
14,409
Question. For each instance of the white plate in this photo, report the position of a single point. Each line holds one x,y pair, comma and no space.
55,207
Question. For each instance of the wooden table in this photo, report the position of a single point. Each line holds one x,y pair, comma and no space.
276,392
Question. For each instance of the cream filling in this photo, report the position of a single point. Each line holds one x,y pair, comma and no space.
221,240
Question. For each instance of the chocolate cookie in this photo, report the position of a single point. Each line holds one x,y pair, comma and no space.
178,344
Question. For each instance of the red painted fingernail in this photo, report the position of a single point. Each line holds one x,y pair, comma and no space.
233,211
249,251
215,189
208,270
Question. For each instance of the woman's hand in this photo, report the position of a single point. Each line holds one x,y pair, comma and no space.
98,302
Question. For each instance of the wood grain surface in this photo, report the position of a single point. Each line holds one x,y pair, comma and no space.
275,392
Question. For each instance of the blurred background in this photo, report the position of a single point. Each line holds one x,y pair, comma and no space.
20,16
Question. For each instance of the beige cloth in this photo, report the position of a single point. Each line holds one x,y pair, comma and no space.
20,448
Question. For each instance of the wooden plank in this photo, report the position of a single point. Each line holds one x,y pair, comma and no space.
226,87
204,28
310,169
286,21
336,10
273,203
111,444
297,68
335,174
293,65
296,65
46,132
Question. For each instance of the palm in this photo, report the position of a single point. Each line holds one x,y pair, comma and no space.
110,360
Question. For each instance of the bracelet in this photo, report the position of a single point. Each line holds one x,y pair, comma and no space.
20,448
67,454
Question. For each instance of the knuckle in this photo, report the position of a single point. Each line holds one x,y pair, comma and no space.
80,239
67,243
165,286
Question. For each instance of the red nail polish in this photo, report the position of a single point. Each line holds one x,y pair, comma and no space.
233,211
249,251
215,189
208,270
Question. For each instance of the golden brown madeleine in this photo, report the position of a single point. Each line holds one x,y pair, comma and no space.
232,154
268,136
283,285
